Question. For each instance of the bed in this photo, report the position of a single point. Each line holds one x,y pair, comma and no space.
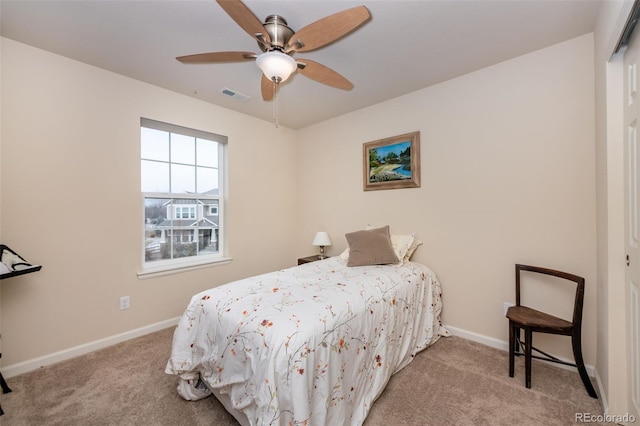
313,344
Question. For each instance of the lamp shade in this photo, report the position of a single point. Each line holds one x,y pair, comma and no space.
276,66
321,239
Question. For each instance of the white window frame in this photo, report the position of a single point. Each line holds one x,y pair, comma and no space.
169,266
179,212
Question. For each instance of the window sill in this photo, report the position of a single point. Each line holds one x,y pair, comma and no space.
160,271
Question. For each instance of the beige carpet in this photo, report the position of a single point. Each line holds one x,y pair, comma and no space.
455,382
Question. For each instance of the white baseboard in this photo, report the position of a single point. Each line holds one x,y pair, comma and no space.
503,345
603,395
35,363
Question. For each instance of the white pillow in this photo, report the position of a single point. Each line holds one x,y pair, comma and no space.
345,254
414,246
401,244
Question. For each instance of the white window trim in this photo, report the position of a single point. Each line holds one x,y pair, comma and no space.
179,212
173,266
189,264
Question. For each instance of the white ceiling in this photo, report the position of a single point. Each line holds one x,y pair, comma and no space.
406,46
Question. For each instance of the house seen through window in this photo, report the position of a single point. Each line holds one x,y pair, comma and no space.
182,171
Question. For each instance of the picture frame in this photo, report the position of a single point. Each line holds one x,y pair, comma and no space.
392,163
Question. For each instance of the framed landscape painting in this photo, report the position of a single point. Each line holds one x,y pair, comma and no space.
392,163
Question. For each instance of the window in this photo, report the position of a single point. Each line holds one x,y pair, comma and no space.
185,212
182,171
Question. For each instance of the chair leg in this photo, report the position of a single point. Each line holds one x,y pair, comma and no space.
512,341
528,337
3,385
576,343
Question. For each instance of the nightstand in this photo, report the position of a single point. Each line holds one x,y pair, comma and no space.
310,259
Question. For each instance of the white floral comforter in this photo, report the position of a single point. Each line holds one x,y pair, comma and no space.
314,344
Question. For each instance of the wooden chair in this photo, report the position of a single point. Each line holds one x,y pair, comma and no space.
531,320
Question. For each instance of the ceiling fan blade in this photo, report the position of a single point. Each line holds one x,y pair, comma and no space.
323,74
216,57
329,29
267,87
240,13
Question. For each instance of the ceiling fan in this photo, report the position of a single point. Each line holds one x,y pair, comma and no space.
278,43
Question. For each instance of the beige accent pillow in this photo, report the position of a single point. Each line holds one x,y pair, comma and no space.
370,247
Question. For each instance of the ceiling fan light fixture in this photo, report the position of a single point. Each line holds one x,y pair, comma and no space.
276,66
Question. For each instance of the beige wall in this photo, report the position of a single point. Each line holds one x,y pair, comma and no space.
70,182
507,159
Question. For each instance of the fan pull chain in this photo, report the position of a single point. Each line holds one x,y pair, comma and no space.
275,103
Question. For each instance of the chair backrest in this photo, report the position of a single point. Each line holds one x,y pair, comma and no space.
579,298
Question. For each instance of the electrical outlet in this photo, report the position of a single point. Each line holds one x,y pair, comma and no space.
125,303
507,305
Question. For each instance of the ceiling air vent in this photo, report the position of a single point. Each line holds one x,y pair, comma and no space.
233,94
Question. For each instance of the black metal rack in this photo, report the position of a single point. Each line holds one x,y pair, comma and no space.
27,268
5,388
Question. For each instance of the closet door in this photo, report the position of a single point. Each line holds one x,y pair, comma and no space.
632,215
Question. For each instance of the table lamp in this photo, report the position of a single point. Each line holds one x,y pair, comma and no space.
321,239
